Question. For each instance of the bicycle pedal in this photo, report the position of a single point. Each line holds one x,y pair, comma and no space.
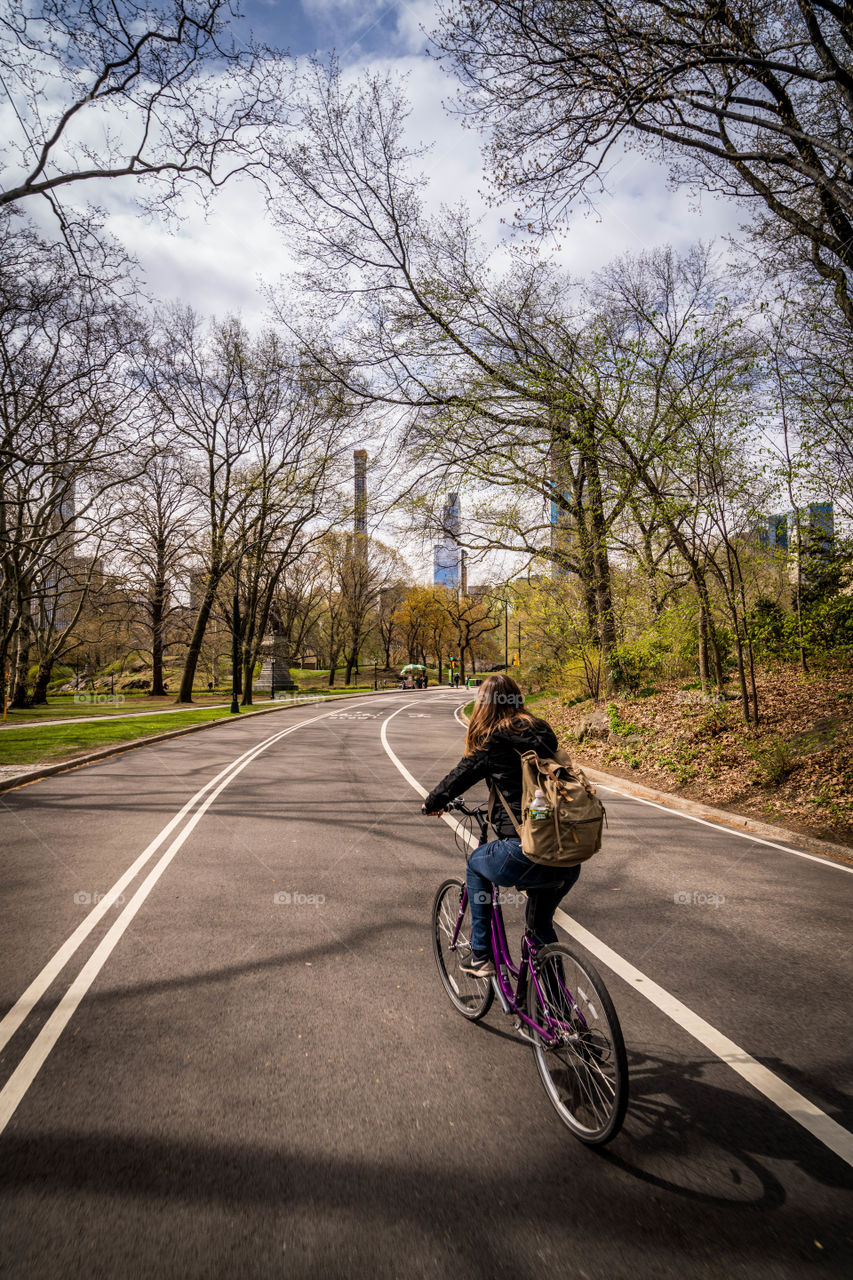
523,1033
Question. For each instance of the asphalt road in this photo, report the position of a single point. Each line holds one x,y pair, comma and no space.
246,1064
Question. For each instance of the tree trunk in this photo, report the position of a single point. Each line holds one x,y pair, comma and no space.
703,648
741,675
605,621
42,681
158,601
247,675
185,694
710,630
20,679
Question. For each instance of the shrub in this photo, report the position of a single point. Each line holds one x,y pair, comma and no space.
774,757
617,724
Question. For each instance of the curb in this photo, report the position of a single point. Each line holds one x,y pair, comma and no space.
103,753
725,817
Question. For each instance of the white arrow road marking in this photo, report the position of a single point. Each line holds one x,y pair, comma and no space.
799,1108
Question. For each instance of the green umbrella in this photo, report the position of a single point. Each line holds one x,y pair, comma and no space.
412,666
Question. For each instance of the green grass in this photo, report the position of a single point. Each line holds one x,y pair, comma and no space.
65,708
47,744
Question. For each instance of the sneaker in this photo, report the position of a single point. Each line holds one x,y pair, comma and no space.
478,966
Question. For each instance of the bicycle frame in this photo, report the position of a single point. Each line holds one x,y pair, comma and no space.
522,973
504,964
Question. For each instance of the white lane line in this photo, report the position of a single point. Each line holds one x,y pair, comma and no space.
805,1113
818,1123
729,831
21,1009
34,992
33,1060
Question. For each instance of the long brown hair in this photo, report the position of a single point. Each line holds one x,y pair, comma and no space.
498,701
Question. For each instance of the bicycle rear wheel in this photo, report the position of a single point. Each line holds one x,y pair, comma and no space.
583,1063
471,996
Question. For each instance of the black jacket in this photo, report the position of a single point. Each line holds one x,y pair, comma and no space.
498,761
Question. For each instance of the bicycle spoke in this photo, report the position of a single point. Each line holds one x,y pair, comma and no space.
582,1060
471,996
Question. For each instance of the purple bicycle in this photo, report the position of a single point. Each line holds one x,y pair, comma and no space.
559,1003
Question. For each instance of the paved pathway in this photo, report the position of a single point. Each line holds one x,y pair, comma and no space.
240,1061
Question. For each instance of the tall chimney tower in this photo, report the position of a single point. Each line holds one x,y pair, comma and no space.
360,508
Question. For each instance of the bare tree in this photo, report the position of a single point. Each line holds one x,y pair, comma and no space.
112,89
70,437
156,525
365,570
472,621
260,439
751,98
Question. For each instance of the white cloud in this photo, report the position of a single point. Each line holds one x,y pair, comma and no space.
638,211
216,263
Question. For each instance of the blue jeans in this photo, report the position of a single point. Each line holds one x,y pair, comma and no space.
502,862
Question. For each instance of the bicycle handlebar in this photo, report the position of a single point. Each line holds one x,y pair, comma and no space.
461,807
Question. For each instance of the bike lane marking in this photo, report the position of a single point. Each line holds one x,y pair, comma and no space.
821,1126
22,1077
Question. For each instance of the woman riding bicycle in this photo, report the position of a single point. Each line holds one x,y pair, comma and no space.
499,731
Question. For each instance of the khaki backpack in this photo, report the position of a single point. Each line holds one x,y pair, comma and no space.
572,831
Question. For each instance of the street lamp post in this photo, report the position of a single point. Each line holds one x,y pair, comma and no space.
506,634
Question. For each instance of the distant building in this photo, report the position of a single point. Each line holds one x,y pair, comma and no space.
360,505
773,533
447,554
561,521
445,566
816,522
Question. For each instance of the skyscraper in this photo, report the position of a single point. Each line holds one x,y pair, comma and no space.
360,507
561,521
446,554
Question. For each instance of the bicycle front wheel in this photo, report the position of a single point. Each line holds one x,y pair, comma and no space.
582,1059
471,996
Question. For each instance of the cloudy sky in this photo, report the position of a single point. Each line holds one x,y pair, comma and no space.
218,263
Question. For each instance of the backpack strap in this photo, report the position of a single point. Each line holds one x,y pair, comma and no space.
493,791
